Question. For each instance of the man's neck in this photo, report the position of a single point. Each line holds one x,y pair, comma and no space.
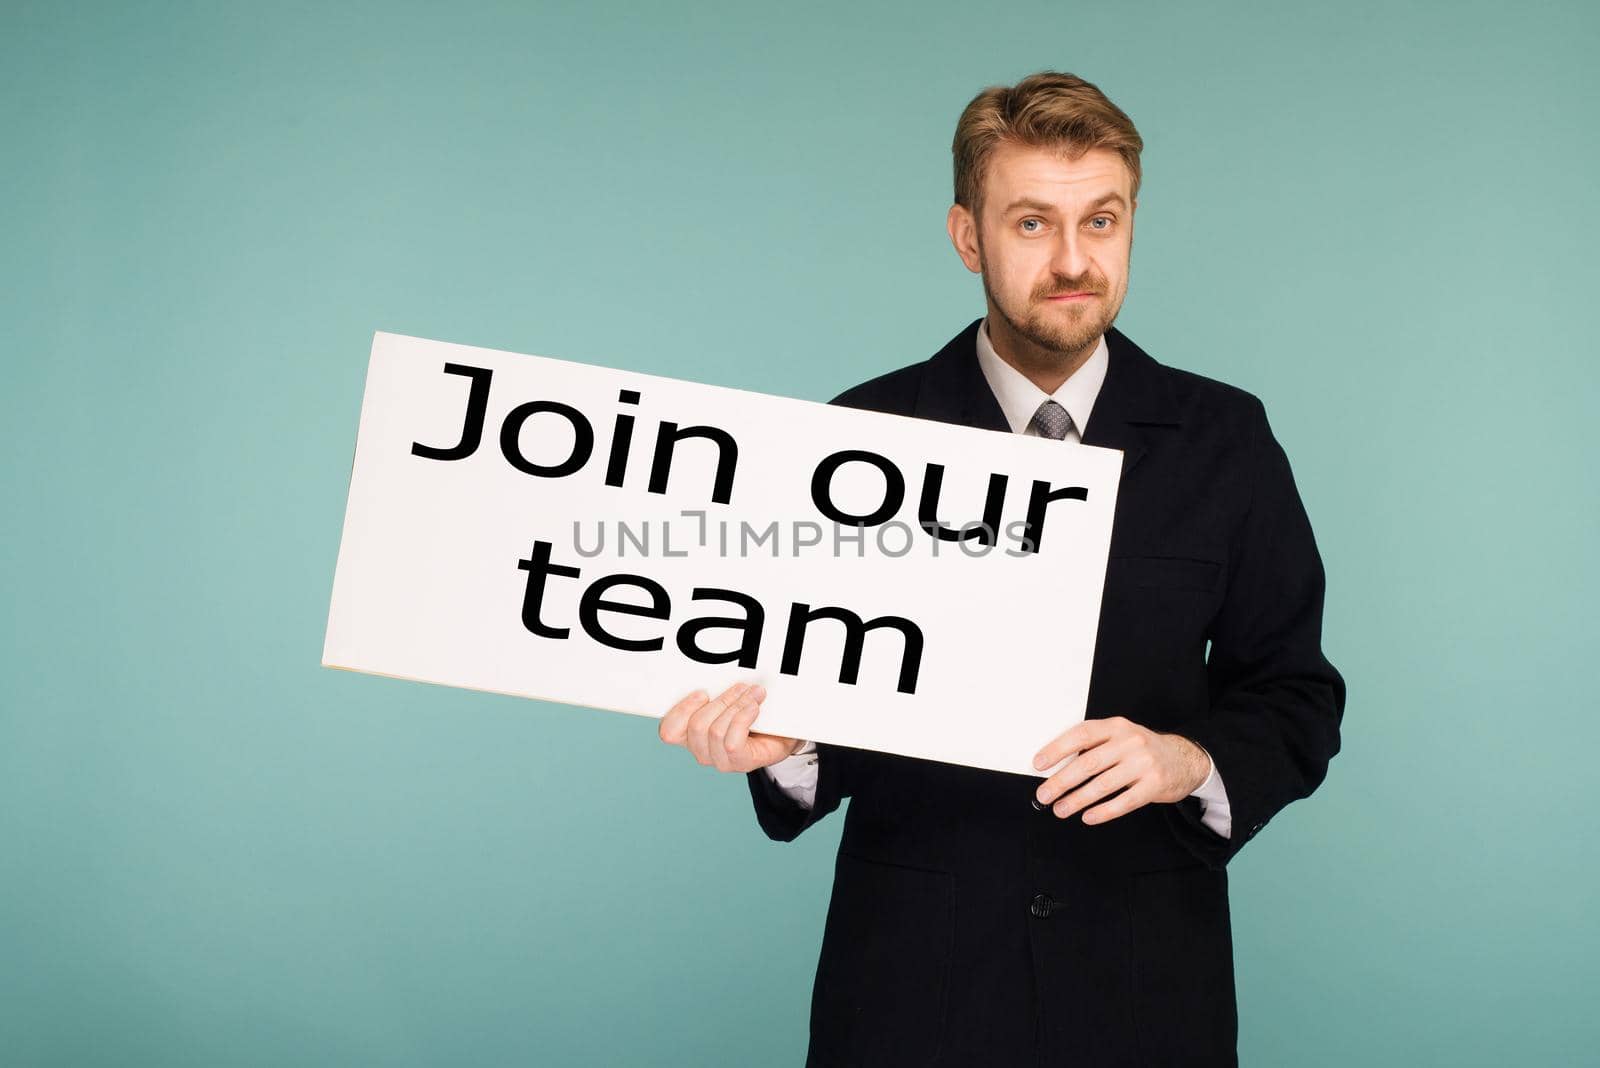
1045,368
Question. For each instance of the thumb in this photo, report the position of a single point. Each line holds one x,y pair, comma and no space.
759,749
771,748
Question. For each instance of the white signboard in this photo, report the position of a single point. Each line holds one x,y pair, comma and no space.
597,537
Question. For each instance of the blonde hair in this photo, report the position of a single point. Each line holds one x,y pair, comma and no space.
1045,110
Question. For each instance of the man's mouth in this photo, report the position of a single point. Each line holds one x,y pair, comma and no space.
1070,296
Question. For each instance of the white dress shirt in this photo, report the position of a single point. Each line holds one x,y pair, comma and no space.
1019,398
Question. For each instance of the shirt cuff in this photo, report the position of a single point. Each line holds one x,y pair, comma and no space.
796,775
1215,811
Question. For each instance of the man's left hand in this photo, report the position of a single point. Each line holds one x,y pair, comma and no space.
1117,754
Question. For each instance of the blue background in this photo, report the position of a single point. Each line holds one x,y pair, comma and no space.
1380,218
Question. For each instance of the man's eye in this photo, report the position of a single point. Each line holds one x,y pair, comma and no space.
1100,219
1031,226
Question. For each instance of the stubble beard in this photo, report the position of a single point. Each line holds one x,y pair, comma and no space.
1047,343
1055,343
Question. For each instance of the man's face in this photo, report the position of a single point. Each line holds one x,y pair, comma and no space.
1053,244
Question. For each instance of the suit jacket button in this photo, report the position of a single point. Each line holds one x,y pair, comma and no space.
1034,801
1041,905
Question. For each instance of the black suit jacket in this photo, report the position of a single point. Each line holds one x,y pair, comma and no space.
968,928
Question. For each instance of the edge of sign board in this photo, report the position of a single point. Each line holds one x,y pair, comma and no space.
486,689
1043,442
639,715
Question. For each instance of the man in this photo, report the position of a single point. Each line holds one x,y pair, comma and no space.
980,918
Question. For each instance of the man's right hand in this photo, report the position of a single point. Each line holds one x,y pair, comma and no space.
717,731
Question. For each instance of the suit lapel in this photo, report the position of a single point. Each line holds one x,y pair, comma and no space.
1133,398
954,389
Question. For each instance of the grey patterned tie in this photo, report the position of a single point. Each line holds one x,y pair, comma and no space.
1051,420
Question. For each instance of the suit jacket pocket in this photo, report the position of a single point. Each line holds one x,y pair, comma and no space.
1165,572
883,973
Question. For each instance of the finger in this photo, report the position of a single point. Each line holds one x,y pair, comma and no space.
727,759
736,741
677,717
1103,785
1079,769
718,730
1076,738
700,722
1134,797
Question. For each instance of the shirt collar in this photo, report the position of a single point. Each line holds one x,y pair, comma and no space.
1019,398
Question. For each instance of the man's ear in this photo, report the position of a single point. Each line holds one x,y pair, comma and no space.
963,231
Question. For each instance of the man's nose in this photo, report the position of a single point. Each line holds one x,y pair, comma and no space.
1069,258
